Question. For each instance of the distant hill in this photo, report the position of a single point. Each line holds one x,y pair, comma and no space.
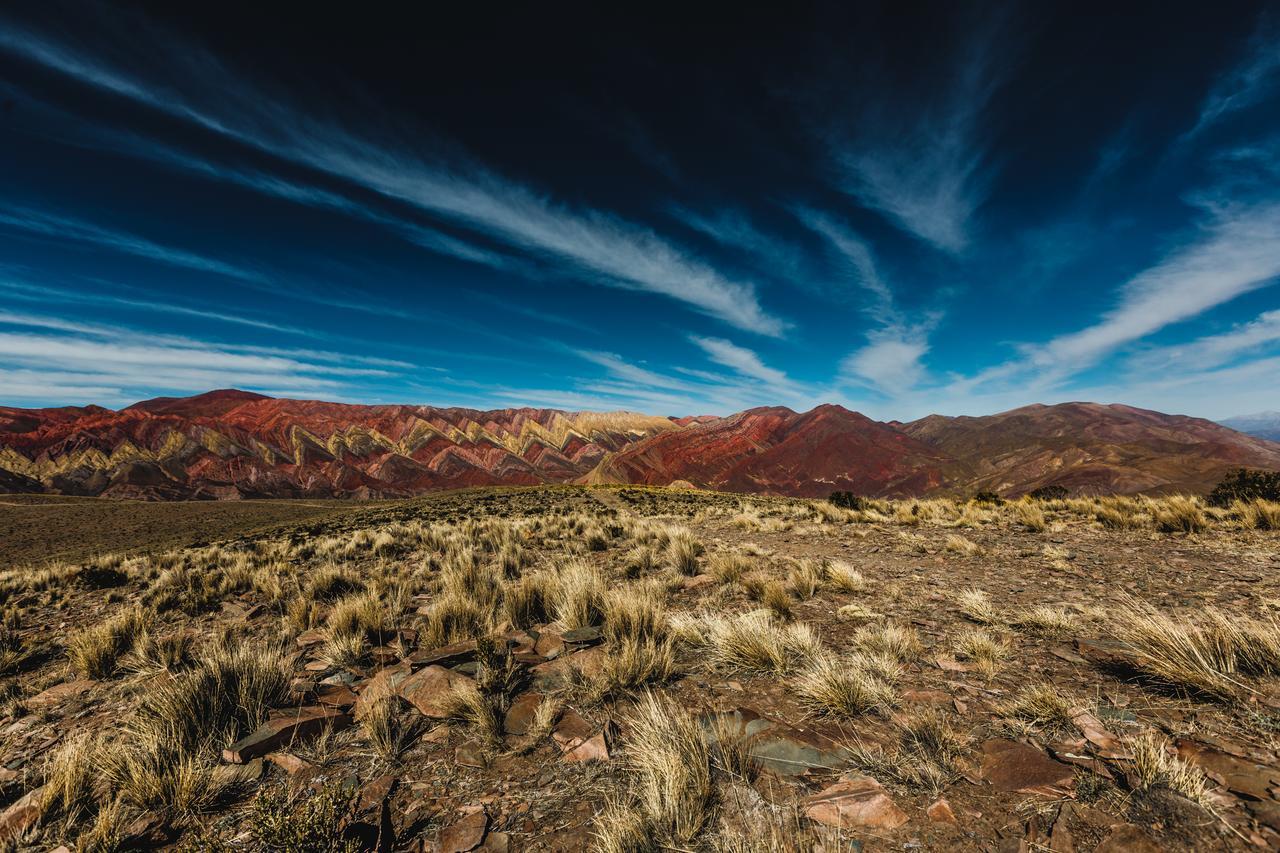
234,444
1263,425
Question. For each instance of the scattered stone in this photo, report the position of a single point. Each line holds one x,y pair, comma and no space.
335,696
303,724
927,697
549,645
579,740
588,661
855,801
288,762
428,689
21,815
386,683
1127,838
309,638
59,693
941,812
464,834
1108,654
1012,766
520,715
589,634
470,754
450,655
1238,775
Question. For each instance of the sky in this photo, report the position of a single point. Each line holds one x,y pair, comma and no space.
902,208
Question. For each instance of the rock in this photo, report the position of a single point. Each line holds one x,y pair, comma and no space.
579,740
428,689
589,634
386,683
550,645
21,815
1237,775
470,754
312,637
288,762
464,834
520,715
940,812
1127,838
335,696
59,693
450,655
777,747
855,801
298,725
496,842
927,697
697,582
1108,654
588,661
1012,766
1108,745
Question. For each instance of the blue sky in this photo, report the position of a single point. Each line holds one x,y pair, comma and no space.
953,210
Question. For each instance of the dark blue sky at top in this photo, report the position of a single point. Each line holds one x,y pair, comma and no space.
903,208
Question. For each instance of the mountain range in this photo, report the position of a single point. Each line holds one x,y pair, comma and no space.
1262,425
236,444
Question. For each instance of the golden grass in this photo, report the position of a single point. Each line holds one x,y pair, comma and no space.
727,566
580,595
1031,516
843,686
804,579
389,728
981,648
1155,766
926,757
467,706
95,652
842,577
1042,707
757,641
1207,655
1047,621
1179,514
957,544
683,551
530,600
977,605
897,642
672,795
1257,514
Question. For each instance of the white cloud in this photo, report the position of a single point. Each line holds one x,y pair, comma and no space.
1211,350
595,246
891,361
1249,83
741,359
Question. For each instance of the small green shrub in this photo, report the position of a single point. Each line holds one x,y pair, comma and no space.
1245,484
1049,493
847,500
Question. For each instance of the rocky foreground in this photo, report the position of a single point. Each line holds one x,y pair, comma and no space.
643,669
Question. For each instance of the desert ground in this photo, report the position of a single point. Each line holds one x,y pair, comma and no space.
633,669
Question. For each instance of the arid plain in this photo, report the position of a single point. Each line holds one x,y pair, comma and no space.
626,668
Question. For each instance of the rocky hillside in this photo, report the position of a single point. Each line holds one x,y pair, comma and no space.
235,444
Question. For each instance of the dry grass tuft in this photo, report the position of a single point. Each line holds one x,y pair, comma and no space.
474,711
844,686
1031,516
957,544
95,652
389,728
981,648
672,796
1257,514
1155,766
897,642
757,641
927,755
842,577
1206,656
683,551
977,605
728,566
1042,707
580,595
1179,514
1044,620
804,579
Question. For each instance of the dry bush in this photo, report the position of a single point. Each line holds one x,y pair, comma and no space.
95,652
451,619
638,561
1154,766
628,664
1031,516
959,545
1206,655
683,551
530,600
154,654
898,642
361,615
731,747
728,566
842,577
804,579
390,727
977,605
770,592
1042,707
1115,513
634,613
329,583
757,641
844,686
671,796
467,706
1257,514
927,755
1047,621
983,649
580,595
69,774
1179,514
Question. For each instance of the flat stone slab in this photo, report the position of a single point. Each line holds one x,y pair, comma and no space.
303,724
428,690
1012,766
776,746
855,802
450,655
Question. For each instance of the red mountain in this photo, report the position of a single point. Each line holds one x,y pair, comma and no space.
230,444
779,451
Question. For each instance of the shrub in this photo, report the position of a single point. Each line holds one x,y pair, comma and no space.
848,500
988,498
1049,493
1244,484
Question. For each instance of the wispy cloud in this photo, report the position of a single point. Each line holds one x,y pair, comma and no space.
595,246
927,168
1211,351
69,228
50,358
1250,82
1237,251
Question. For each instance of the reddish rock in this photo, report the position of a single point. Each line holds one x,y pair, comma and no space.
940,812
310,637
335,696
855,802
59,693
579,740
1127,838
520,715
549,644
1012,766
1238,775
927,697
1108,654
464,834
428,689
470,754
588,661
21,815
386,683
303,724
288,762
450,655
